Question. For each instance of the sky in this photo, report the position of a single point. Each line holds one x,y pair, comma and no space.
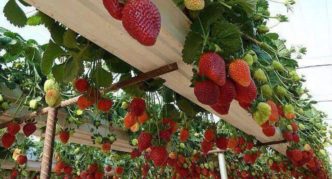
310,25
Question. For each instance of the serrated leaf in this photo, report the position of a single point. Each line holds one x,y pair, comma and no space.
69,39
57,33
186,106
153,85
52,52
34,20
116,65
66,72
133,90
101,77
227,36
193,47
248,5
33,54
208,16
14,14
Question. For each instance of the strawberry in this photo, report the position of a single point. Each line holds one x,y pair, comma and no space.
84,102
22,159
166,134
222,143
296,155
142,21
296,138
276,65
50,84
106,147
207,92
259,75
287,135
143,118
239,71
119,170
267,91
206,146
59,166
194,5
135,127
64,136
108,168
209,135
29,128
104,105
98,175
129,120
294,126
135,153
274,117
144,141
212,66
221,108
137,107
269,130
289,111
13,174
81,85
13,128
53,97
158,155
92,168
227,92
114,8
67,169
184,135
172,124
246,94
250,145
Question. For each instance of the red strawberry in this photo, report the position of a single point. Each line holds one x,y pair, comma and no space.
269,130
13,174
144,141
239,71
184,135
246,94
227,92
106,147
296,155
67,169
135,153
108,168
92,168
84,102
206,146
209,135
207,92
145,169
221,108
248,158
104,105
287,135
294,126
64,136
98,175
21,159
114,8
212,66
159,156
172,124
274,117
129,120
296,138
142,21
81,85
245,105
13,128
137,107
222,143
250,145
166,134
29,128
119,170
59,166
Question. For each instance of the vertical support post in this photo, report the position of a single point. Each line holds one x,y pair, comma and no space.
46,164
222,165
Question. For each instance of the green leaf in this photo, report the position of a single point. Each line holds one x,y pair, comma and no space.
66,72
14,14
186,106
227,36
170,111
193,47
153,84
57,32
116,65
33,54
133,90
52,52
69,39
34,20
101,77
208,16
248,5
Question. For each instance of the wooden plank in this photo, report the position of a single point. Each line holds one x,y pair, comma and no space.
90,19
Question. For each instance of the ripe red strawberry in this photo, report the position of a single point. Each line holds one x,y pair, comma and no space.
84,102
129,120
227,92
64,136
212,66
92,168
207,92
159,156
209,135
137,107
248,158
106,147
287,135
29,128
239,71
119,170
250,145
172,124
67,169
135,153
206,146
13,128
108,168
184,135
296,155
166,134
142,21
104,105
59,166
114,8
98,175
274,117
13,174
296,138
294,126
222,143
144,141
246,94
81,85
22,159
269,130
221,108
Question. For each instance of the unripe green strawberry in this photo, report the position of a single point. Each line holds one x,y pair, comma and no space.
281,91
288,108
259,118
79,112
289,127
5,105
98,140
259,75
249,59
1,98
52,97
50,84
182,145
294,76
307,147
134,142
323,152
33,104
301,126
264,109
267,91
194,5
124,105
206,165
211,165
278,66
262,29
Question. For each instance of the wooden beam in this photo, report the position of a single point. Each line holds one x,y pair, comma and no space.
90,19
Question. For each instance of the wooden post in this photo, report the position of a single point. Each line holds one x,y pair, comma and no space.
46,164
222,165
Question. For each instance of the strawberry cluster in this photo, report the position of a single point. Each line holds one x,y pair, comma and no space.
93,171
137,114
140,18
9,137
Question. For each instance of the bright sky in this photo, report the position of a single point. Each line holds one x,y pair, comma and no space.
310,25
